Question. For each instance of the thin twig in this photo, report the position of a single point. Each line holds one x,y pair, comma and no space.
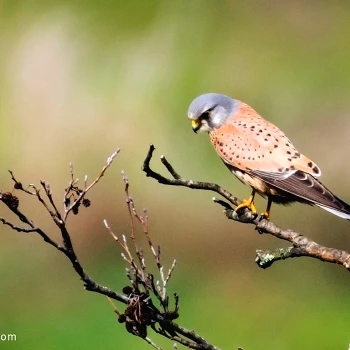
68,209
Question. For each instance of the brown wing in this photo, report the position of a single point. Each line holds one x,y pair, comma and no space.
305,186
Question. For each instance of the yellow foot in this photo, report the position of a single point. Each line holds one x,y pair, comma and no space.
247,203
265,215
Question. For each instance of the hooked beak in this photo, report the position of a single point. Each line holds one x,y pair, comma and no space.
196,125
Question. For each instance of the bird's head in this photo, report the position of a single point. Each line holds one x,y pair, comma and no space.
210,111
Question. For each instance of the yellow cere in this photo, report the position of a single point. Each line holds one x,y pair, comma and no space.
194,123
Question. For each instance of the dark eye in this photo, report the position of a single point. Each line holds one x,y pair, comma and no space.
206,115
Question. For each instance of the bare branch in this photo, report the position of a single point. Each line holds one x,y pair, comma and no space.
17,228
178,181
12,203
140,313
301,245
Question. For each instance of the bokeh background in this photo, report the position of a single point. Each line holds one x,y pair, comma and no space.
80,78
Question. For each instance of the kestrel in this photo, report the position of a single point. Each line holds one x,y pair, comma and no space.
261,155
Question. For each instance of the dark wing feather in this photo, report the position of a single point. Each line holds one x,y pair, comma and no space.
305,186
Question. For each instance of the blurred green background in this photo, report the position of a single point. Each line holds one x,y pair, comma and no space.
80,78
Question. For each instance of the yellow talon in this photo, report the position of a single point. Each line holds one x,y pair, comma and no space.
248,203
266,214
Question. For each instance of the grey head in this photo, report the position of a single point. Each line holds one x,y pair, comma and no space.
210,111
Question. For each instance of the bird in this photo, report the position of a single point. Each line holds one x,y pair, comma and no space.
260,155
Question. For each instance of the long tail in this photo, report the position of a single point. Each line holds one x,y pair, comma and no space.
342,211
308,188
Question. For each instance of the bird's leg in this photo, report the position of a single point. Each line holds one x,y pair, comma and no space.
248,203
266,213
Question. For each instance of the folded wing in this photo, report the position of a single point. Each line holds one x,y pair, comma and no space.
307,187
